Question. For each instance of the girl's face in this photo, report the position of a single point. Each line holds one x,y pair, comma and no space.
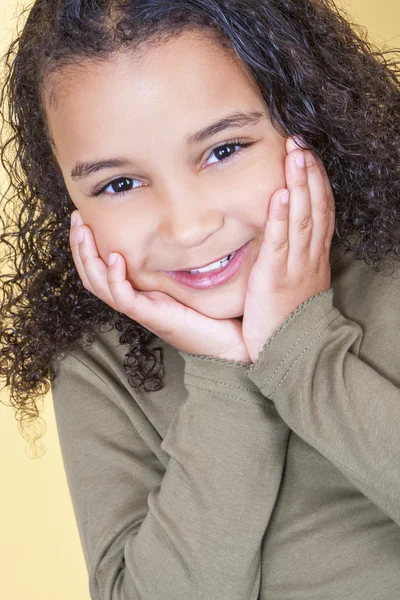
182,206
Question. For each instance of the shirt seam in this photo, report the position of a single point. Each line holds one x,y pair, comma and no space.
312,342
214,359
229,396
293,347
94,372
218,381
291,318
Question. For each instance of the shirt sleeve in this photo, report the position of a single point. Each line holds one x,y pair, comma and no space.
335,400
194,528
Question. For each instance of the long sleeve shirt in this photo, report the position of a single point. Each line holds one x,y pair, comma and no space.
278,480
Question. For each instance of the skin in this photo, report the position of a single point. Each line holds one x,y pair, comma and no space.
192,210
187,208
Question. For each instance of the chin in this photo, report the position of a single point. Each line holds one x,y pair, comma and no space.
221,312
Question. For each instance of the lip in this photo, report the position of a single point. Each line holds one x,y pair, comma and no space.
211,278
202,266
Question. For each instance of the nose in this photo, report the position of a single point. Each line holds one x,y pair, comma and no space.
189,217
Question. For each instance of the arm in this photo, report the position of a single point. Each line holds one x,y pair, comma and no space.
192,527
336,400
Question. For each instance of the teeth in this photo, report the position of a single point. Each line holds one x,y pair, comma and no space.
216,265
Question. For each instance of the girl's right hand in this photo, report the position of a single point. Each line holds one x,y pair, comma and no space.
182,327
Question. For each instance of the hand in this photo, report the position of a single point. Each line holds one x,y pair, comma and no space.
293,262
182,327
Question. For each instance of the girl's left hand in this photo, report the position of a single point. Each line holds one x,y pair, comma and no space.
293,262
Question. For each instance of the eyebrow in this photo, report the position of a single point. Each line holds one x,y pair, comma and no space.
235,119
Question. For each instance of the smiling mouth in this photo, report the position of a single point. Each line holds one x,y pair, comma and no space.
215,275
217,263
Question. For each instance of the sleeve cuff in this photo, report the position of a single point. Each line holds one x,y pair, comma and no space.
291,342
221,377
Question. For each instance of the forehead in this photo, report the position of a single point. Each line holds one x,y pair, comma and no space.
185,78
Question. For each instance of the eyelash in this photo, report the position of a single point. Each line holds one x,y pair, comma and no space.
237,142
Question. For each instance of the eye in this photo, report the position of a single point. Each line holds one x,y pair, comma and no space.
119,186
225,151
123,185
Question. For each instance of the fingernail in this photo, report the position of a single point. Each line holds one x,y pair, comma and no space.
284,197
299,160
76,219
111,259
299,140
80,235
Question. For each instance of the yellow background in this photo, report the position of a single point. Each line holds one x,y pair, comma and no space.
40,553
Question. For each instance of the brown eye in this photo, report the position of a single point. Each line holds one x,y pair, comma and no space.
119,186
123,184
225,151
221,152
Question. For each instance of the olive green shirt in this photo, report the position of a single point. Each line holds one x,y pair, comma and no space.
278,480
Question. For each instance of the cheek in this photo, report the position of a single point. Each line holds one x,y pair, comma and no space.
105,236
124,241
261,182
113,235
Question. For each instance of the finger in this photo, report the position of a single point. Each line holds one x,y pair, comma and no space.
331,202
167,318
272,257
126,299
294,143
321,201
331,223
93,267
74,244
143,307
300,219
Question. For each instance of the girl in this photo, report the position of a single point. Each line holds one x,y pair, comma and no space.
231,168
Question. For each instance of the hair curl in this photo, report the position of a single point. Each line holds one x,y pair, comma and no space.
321,80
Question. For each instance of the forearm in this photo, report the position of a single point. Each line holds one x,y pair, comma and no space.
334,400
203,531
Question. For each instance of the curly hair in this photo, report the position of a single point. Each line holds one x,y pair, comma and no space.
321,79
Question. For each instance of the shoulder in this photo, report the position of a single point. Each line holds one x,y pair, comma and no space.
100,356
104,355
100,364
362,291
371,299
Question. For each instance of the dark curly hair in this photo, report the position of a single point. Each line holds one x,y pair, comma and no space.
321,79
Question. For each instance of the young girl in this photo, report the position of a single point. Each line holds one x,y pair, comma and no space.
220,322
